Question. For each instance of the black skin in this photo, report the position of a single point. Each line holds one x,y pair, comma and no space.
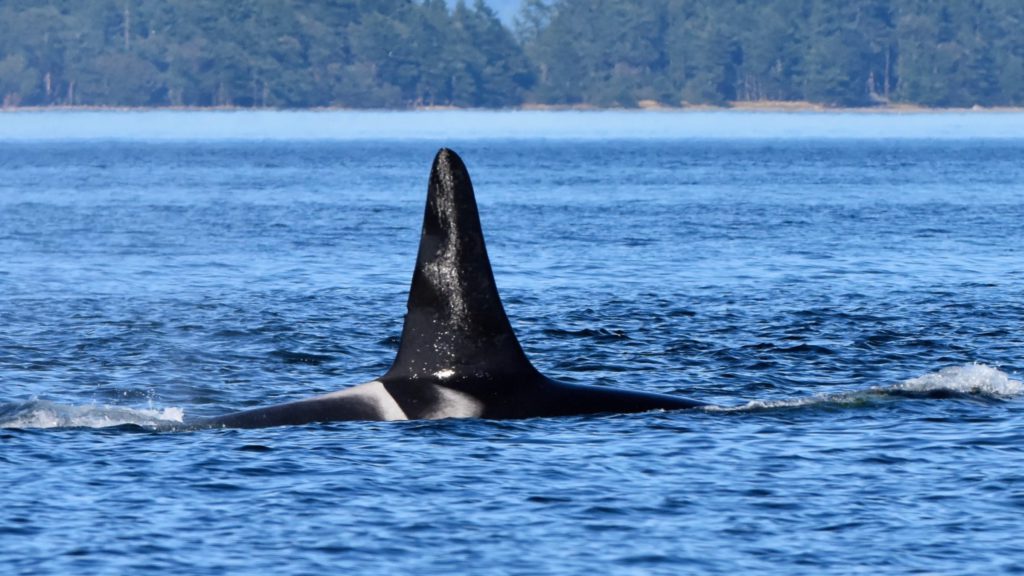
457,337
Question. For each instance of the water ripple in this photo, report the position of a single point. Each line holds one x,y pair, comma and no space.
813,290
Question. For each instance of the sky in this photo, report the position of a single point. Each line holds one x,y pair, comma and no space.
506,9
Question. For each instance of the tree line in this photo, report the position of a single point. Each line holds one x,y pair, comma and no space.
406,53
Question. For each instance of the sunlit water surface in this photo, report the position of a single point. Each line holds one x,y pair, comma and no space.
852,307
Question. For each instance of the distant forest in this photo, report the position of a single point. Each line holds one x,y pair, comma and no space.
604,53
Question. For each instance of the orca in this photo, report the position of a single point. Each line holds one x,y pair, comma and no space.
458,356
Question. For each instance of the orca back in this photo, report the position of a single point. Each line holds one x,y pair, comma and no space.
458,357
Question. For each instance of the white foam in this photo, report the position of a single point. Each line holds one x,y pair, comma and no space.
974,379
44,414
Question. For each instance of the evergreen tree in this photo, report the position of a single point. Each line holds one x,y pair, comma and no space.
703,52
841,57
772,35
405,53
18,81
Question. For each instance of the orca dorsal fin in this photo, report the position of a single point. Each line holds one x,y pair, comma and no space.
455,327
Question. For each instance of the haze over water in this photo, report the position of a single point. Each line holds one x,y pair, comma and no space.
846,288
461,125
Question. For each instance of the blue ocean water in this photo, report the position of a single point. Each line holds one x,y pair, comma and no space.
852,306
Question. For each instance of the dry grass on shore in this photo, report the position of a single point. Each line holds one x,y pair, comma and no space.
643,105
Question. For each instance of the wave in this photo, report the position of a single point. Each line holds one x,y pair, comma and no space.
46,414
968,381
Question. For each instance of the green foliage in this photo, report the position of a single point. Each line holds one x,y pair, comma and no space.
404,53
849,53
17,80
258,53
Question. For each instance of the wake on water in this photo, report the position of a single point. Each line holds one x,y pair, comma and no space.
970,380
46,414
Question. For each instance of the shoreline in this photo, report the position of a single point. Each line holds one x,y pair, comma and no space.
642,107
520,123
